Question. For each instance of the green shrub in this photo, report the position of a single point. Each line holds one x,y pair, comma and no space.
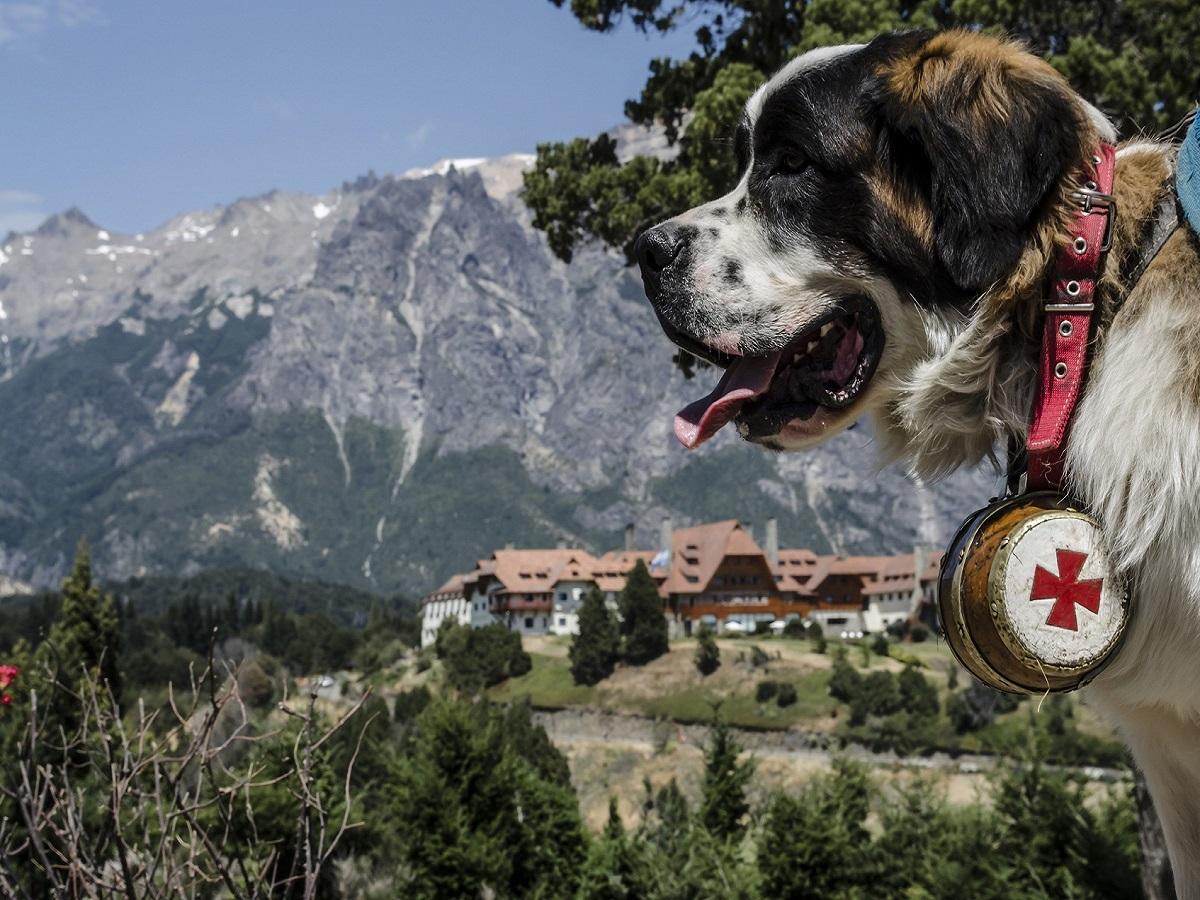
254,685
766,691
918,633
917,695
476,658
794,628
758,657
844,682
787,694
878,695
879,645
977,706
708,655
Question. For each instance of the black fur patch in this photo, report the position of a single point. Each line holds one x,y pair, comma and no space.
982,191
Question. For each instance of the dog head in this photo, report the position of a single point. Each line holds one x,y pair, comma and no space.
894,198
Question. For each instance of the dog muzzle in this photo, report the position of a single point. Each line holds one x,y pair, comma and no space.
1028,597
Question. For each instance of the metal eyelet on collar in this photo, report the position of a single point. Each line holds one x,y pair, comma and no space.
1091,186
1065,328
1080,245
1060,370
1096,160
1073,288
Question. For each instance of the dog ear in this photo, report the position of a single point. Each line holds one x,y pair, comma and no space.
987,131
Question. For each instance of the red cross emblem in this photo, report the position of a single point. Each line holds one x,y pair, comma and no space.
1066,590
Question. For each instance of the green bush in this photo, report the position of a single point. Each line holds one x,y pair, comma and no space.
254,685
918,633
787,694
794,628
977,706
758,657
708,654
477,658
879,645
878,695
845,681
917,695
766,691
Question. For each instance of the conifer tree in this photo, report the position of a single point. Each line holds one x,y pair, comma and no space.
595,650
86,639
642,619
616,868
723,805
708,655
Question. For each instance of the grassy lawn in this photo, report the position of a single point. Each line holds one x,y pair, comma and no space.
671,688
548,685
695,704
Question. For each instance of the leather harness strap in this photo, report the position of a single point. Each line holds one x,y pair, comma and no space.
1069,313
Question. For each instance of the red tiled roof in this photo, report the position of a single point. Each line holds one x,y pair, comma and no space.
696,553
537,571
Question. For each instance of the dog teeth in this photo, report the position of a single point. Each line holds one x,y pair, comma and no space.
826,328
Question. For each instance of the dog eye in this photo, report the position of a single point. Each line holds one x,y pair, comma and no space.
791,163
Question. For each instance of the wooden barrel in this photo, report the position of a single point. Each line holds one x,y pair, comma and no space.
1028,600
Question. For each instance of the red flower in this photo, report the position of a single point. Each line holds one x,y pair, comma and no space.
8,674
5,699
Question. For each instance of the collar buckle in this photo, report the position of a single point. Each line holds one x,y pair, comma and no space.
1091,199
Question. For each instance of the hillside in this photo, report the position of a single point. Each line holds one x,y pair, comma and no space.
375,386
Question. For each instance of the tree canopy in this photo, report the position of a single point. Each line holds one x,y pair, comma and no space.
1134,59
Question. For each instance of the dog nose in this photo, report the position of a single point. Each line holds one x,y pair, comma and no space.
657,248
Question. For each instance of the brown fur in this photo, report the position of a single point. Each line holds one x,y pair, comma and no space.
1142,180
980,62
906,207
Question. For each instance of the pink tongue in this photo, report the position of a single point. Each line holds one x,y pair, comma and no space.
745,379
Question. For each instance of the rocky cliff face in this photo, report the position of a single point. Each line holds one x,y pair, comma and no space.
376,386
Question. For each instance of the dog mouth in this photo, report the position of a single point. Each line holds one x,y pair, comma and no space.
822,370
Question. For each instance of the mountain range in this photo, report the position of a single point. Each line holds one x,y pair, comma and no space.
375,386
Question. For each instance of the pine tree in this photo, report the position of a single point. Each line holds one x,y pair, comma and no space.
816,844
595,650
616,868
86,639
708,655
466,814
723,805
642,619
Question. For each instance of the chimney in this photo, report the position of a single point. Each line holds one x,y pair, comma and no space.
510,546
772,541
918,594
562,544
630,533
665,535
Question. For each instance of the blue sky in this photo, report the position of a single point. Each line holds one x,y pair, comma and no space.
140,109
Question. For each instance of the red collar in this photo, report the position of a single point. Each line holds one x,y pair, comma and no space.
1069,313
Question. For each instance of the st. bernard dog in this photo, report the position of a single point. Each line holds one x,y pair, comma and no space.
886,251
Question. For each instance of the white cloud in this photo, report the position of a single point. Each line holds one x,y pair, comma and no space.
20,211
419,136
25,18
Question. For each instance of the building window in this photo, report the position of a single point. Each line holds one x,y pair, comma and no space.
529,621
562,621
